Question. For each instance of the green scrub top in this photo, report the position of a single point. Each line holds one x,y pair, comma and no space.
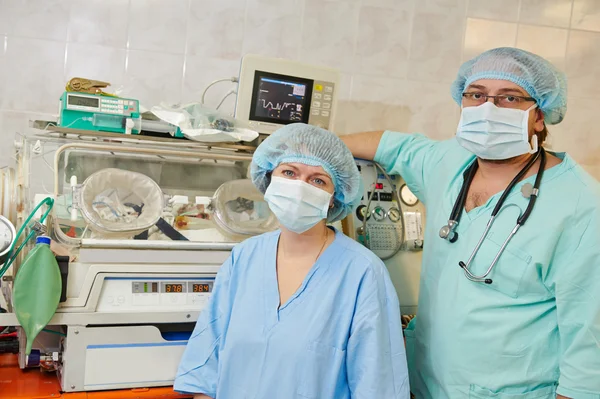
535,331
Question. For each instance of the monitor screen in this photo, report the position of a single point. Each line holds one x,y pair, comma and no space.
280,99
83,101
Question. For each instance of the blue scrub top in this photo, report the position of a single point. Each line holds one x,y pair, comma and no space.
535,331
339,336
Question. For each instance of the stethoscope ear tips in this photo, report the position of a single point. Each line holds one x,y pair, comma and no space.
488,281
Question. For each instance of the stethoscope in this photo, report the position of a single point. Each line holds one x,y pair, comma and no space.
448,232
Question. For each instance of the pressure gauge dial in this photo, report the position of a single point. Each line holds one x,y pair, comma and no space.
407,196
362,213
7,236
378,213
394,215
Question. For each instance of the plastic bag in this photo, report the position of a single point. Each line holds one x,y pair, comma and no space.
37,290
199,123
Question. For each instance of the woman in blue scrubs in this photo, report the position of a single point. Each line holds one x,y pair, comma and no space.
303,312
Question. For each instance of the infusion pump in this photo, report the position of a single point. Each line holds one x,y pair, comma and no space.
387,218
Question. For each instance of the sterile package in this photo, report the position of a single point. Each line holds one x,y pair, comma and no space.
200,123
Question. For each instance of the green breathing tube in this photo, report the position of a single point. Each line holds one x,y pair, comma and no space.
12,254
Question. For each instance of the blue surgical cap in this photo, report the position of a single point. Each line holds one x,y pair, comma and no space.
546,84
310,145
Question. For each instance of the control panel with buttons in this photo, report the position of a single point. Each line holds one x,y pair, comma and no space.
321,104
379,221
123,294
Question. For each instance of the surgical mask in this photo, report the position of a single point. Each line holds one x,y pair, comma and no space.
297,205
491,132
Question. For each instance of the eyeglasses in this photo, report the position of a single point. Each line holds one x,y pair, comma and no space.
502,100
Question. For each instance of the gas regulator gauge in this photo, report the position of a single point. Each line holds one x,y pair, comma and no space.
394,215
7,236
407,196
378,213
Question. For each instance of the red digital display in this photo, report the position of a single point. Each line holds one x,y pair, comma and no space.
379,186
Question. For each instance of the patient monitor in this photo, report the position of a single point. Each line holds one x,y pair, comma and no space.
276,92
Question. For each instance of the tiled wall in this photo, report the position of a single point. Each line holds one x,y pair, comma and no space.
398,57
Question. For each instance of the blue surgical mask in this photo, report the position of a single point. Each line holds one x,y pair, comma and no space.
297,205
491,132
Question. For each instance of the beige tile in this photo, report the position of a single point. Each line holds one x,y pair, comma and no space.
158,25
383,41
153,85
36,19
583,58
505,10
401,4
201,71
546,12
423,107
102,22
329,33
96,62
273,28
483,34
586,15
577,134
442,6
216,28
435,48
550,43
33,79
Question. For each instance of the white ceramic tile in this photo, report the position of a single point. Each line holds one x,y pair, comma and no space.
442,6
483,34
586,15
435,49
200,71
407,106
505,10
354,117
153,77
577,134
39,19
583,58
546,12
401,4
273,28
3,45
380,90
101,22
344,91
33,78
96,62
158,25
216,28
383,41
329,33
550,43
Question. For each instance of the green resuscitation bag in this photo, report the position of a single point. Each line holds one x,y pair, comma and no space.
36,291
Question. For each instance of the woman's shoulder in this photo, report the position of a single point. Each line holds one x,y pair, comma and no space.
256,242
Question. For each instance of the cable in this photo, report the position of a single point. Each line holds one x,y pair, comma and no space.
232,91
232,79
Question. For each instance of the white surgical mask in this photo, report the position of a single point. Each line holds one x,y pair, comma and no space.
491,132
297,205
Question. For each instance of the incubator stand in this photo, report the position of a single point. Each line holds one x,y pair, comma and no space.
131,302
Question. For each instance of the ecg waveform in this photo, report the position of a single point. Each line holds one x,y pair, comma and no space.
279,101
279,107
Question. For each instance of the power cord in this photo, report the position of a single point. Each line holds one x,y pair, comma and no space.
232,79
